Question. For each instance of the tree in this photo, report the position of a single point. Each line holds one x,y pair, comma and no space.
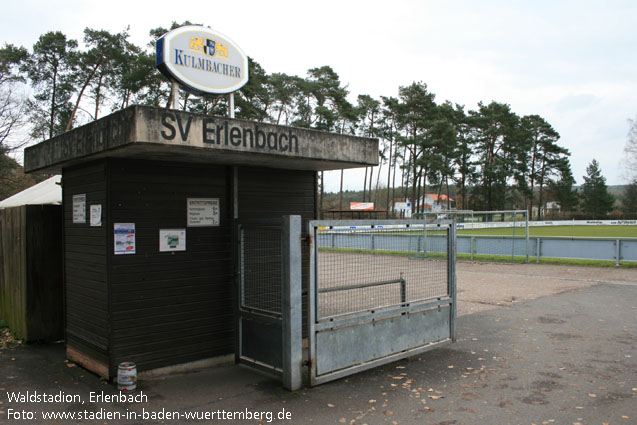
444,132
498,148
464,152
629,200
253,99
596,201
12,110
50,69
561,190
96,68
630,150
368,110
12,104
416,112
543,159
282,88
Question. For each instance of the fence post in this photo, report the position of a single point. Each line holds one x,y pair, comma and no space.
526,234
424,238
538,241
515,222
451,277
372,248
472,246
291,302
618,252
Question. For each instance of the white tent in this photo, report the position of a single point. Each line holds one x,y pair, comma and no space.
48,191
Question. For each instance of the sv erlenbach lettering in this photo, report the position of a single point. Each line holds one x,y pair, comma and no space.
222,132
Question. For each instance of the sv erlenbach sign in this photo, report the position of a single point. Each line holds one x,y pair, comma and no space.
202,60
157,133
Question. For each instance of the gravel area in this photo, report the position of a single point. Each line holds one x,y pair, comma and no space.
487,286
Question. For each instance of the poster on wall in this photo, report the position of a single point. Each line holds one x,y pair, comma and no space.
79,208
124,238
172,240
96,215
203,212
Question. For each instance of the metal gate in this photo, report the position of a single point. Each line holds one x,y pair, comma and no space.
377,293
268,315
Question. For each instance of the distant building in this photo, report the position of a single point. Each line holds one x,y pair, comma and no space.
401,207
433,202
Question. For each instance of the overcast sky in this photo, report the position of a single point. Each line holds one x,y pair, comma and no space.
572,62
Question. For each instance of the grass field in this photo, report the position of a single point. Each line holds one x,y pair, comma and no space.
590,231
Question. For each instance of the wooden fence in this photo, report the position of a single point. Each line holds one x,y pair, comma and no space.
31,288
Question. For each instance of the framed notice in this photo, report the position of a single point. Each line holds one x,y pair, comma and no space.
172,240
79,208
96,215
203,212
124,236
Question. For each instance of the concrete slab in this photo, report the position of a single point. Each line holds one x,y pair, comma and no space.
165,134
564,353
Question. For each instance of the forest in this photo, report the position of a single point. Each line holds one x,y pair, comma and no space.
486,156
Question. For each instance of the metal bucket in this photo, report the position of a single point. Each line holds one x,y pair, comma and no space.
127,377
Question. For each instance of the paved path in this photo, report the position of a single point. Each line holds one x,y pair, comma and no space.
537,345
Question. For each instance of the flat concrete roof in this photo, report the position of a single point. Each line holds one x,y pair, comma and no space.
166,134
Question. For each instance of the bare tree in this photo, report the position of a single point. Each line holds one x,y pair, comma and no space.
630,150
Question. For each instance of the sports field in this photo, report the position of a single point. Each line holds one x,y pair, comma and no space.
586,231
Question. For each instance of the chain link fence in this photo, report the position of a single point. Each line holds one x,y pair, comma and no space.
260,268
489,236
363,268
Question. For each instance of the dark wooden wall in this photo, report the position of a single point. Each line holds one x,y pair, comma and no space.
170,307
163,308
44,262
85,265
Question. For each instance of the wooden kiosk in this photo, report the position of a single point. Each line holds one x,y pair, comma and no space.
150,198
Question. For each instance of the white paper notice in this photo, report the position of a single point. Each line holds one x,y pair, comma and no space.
124,235
203,212
96,215
172,240
79,208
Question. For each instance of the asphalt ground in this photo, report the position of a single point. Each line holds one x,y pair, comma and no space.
536,344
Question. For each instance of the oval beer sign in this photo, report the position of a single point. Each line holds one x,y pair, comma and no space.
202,60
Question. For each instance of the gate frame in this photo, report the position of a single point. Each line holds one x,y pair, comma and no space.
290,320
314,325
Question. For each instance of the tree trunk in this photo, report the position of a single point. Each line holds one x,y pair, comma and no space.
340,193
371,176
365,184
321,196
390,163
393,184
380,167
69,124
98,94
448,201
52,119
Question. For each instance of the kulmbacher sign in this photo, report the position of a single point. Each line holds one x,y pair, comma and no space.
201,60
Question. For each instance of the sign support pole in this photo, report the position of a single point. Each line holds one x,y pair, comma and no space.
231,105
174,95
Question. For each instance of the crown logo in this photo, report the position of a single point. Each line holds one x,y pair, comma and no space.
208,47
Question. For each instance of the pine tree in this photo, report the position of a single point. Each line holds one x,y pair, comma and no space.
629,200
596,201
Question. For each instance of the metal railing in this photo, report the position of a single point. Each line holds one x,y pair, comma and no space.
500,248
